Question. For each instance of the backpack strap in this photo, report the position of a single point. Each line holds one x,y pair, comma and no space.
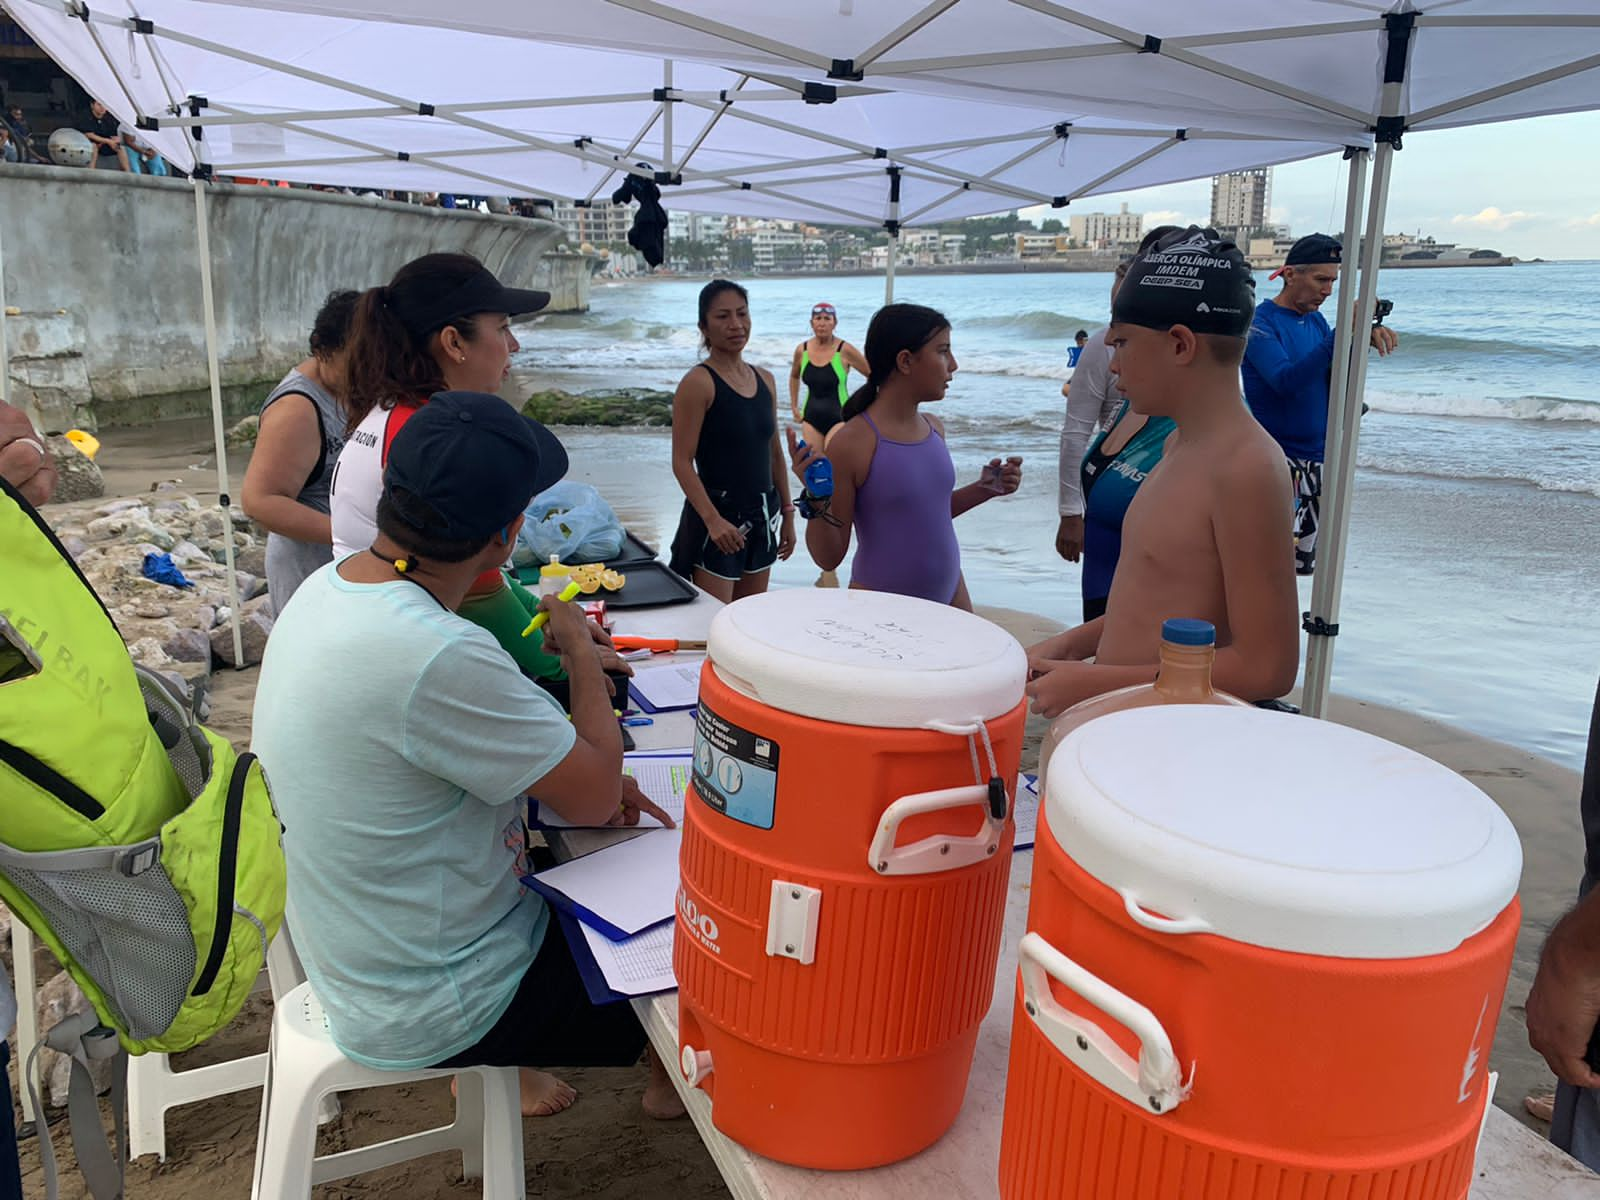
81,1037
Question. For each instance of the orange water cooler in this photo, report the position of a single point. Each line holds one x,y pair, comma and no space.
846,851
1265,961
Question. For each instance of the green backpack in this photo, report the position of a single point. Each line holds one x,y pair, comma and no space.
134,842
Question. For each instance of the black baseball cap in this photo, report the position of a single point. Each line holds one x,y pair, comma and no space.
1311,250
1193,277
466,465
479,292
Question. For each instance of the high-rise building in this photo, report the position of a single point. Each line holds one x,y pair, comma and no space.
1241,200
1100,230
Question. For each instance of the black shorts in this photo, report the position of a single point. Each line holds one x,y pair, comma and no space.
552,1023
692,547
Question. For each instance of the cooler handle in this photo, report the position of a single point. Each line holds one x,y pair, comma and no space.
1160,924
1154,1083
942,851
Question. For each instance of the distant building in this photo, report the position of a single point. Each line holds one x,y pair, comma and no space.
1105,231
696,227
1041,245
778,249
599,224
1268,253
1241,200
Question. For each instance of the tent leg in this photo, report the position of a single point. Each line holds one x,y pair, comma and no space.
888,269
1339,467
208,300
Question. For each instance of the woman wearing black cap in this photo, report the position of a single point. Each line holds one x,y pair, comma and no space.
443,323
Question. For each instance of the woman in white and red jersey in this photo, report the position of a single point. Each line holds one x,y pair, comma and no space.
443,323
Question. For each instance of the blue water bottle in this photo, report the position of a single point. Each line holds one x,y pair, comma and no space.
819,478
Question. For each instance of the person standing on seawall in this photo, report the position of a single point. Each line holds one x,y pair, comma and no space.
1287,361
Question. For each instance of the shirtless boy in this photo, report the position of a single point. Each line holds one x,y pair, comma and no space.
1204,536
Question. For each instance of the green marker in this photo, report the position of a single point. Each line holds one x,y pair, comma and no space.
539,618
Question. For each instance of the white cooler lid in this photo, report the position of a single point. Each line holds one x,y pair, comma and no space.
867,658
1282,831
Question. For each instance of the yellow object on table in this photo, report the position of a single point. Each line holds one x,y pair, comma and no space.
539,618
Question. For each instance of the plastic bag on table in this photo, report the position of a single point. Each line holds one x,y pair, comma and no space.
571,521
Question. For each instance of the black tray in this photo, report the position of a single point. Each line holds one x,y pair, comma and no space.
649,583
633,551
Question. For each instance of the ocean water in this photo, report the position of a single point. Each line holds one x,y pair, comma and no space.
1473,572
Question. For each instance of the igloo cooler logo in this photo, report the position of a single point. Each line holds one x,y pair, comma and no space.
702,925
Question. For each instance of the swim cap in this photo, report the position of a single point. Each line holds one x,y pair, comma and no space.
1193,277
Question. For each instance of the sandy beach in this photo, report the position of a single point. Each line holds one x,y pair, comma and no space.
604,1147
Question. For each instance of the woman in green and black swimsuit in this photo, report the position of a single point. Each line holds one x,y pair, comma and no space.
823,363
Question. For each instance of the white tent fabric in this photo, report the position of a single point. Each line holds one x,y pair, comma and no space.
308,96
963,102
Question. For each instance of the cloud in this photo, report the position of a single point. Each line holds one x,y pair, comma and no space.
1592,221
1165,216
1492,218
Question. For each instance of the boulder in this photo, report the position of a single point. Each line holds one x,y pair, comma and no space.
77,478
253,628
252,558
189,646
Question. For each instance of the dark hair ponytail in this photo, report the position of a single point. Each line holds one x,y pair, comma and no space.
389,360
331,328
894,327
708,295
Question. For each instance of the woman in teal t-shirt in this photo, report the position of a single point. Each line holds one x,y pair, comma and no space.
1118,461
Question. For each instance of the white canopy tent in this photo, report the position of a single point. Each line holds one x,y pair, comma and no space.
899,110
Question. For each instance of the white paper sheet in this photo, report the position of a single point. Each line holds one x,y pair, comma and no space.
631,886
638,965
668,686
663,776
1026,811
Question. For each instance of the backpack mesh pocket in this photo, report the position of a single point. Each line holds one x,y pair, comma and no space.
129,933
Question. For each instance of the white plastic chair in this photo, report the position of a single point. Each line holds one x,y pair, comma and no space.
154,1087
304,1066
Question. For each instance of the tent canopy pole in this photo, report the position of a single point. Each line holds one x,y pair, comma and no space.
892,226
224,500
1338,475
1318,645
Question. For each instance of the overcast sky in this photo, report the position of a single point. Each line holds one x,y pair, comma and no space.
1526,188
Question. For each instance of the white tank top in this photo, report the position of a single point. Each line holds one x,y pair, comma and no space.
358,479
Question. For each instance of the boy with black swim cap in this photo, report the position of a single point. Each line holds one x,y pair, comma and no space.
1204,536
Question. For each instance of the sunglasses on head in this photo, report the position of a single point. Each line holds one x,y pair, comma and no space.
823,310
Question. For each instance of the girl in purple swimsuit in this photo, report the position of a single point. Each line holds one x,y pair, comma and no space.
893,480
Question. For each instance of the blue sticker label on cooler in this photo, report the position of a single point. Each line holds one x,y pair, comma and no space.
735,770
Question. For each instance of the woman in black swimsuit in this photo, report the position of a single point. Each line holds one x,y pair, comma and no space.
823,363
726,454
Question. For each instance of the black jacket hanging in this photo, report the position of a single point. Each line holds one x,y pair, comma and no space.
649,233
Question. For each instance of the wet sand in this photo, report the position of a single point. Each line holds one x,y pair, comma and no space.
604,1147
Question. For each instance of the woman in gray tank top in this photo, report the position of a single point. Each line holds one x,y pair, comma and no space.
302,431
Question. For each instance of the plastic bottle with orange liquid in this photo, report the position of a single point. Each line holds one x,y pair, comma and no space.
1188,648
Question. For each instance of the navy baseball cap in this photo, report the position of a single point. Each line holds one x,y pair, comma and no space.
1312,250
466,465
1193,277
478,293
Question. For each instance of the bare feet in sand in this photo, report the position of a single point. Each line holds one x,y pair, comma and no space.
661,1099
1540,1105
543,1095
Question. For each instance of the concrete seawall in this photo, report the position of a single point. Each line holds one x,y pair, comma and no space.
117,253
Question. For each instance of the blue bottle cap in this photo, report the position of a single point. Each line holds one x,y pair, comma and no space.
1185,631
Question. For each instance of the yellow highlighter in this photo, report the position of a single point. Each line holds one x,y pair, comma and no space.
570,592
